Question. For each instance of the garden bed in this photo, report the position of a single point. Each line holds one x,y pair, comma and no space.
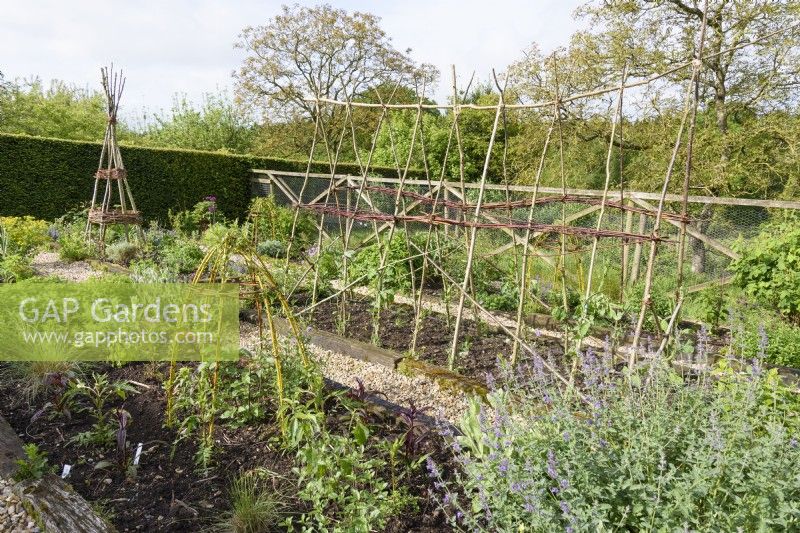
482,347
167,492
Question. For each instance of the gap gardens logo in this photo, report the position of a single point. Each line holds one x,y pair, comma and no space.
93,321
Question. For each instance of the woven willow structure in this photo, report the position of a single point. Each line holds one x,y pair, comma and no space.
116,206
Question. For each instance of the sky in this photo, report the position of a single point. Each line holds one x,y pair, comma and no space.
186,47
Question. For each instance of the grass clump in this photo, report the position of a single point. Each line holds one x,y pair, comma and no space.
254,507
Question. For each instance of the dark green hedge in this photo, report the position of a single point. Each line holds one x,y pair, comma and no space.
45,177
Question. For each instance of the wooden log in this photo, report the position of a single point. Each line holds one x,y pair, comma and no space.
10,450
56,506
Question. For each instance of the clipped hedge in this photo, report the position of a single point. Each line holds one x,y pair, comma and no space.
45,177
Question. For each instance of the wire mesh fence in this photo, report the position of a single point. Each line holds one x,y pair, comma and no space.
715,230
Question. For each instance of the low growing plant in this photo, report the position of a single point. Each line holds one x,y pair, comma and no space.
34,466
255,506
339,479
24,234
122,252
650,452
99,392
74,247
182,256
15,268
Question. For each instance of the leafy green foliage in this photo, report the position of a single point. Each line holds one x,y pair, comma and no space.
62,110
396,274
73,247
218,125
274,222
99,392
769,267
23,234
33,466
218,232
15,268
339,479
248,388
710,306
190,222
181,256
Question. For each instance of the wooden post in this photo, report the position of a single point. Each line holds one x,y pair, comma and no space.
625,251
472,238
596,239
523,282
637,252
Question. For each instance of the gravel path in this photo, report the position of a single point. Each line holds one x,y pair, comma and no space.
49,264
399,388
13,518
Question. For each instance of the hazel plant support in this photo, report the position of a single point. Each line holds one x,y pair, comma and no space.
456,206
385,247
473,236
523,280
111,170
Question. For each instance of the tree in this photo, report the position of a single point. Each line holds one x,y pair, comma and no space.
62,110
308,51
749,69
666,33
739,78
218,125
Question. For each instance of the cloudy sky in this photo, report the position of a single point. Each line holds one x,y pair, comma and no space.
183,46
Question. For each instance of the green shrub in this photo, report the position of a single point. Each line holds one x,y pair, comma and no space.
182,256
148,271
271,248
14,268
218,232
74,247
122,252
274,222
24,234
655,453
43,177
769,267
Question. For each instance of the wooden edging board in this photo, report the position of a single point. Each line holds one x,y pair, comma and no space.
374,354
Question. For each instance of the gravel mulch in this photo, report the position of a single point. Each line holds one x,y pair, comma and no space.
398,388
13,517
49,264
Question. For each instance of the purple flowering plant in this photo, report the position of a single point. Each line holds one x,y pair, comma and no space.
652,450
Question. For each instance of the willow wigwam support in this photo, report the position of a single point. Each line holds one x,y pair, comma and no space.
111,173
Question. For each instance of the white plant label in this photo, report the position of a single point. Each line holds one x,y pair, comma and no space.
137,455
66,471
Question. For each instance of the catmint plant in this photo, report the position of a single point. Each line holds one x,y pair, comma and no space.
632,453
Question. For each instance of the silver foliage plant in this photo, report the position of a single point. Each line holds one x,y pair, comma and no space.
658,451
